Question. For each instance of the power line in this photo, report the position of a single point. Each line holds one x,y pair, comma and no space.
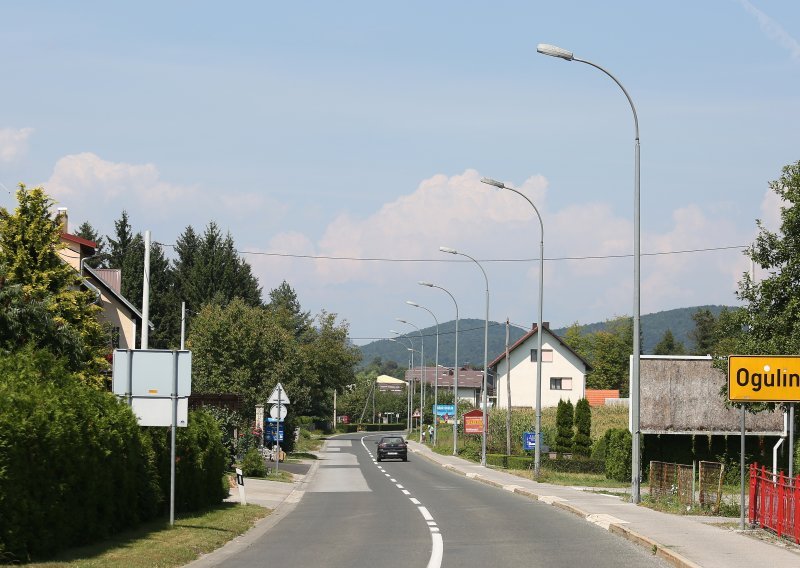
401,260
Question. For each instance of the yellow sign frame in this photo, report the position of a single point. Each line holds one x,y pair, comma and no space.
764,378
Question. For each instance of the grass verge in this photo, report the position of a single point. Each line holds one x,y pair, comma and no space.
157,544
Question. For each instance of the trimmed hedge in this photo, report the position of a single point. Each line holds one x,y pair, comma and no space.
75,467
618,443
577,465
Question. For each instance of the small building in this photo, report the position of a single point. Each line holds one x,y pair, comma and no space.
470,381
121,317
563,371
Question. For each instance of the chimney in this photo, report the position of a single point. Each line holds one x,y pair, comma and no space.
63,218
545,324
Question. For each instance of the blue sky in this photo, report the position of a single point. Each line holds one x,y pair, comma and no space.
362,129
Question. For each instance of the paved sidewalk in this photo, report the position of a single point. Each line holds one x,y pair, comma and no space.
681,540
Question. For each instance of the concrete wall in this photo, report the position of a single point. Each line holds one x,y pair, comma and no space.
523,375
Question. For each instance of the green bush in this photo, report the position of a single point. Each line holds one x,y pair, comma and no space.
519,462
497,460
199,465
74,467
582,444
254,465
577,465
618,454
564,425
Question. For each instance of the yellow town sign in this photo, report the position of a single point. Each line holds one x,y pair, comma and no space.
764,378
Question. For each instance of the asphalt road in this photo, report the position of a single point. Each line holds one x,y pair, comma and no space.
414,514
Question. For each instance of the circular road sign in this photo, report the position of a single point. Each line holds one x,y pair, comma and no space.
277,411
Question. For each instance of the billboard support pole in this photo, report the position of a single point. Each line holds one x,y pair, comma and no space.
174,430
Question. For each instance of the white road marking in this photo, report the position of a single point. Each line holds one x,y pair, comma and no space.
437,543
437,551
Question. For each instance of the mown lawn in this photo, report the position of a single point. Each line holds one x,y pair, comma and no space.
157,544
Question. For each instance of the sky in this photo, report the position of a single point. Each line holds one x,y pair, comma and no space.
342,143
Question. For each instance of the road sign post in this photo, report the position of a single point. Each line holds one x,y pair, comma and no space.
278,398
764,378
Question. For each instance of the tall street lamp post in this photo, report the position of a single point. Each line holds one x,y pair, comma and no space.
409,387
636,475
540,332
436,372
455,364
422,376
485,353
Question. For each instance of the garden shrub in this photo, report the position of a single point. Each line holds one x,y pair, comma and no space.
200,462
519,462
618,454
497,460
253,464
577,465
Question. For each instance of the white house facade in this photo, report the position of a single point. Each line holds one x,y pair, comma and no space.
563,372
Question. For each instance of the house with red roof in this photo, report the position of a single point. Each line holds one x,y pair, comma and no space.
563,371
121,317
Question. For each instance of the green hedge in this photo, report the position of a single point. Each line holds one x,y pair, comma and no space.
75,467
497,460
576,465
618,454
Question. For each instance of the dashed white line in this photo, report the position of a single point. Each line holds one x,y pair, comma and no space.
437,548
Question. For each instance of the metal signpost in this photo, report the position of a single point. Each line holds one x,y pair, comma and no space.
143,378
764,378
278,412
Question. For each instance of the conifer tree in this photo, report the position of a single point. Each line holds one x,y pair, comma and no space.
582,445
46,304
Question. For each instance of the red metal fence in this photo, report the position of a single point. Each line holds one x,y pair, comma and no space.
775,502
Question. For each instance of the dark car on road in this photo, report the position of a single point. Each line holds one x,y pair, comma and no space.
392,447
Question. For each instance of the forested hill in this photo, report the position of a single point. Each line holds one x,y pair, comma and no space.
679,321
470,343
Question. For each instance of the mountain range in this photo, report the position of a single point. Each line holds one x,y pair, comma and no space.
471,331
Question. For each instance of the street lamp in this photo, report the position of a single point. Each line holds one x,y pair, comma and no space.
449,250
410,389
537,461
455,364
636,467
436,372
422,376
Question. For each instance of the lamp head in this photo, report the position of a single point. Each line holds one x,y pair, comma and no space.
395,332
554,51
410,303
494,182
423,283
448,250
402,321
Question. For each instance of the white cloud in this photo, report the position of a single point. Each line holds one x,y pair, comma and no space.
487,223
771,210
86,177
773,30
13,144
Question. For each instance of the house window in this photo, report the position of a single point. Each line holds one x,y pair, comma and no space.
547,355
560,383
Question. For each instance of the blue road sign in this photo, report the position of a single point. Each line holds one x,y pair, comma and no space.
529,440
269,433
